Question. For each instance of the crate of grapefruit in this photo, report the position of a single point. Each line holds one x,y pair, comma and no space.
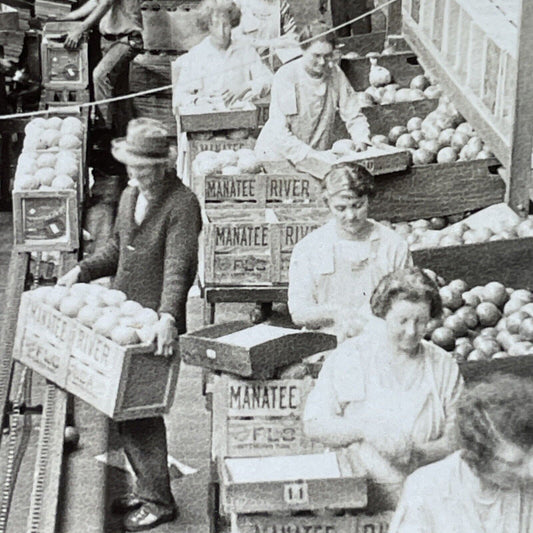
97,345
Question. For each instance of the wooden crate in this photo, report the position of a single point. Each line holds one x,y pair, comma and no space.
260,359
403,67
166,29
250,246
150,71
46,220
364,43
324,523
346,490
236,247
437,190
381,118
259,418
215,144
221,120
63,68
123,382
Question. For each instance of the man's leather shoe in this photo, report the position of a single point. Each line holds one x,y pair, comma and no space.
149,515
128,502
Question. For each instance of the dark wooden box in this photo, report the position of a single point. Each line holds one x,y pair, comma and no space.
437,190
258,358
403,67
218,120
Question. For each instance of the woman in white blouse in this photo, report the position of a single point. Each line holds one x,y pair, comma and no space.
387,398
306,95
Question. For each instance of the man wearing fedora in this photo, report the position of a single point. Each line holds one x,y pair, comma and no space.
152,255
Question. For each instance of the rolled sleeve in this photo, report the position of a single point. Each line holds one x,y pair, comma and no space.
260,75
322,402
410,515
301,284
350,110
279,137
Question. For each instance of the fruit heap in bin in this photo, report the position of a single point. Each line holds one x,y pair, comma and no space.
443,136
107,312
50,159
483,322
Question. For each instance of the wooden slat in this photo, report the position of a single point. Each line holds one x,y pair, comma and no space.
436,190
523,115
506,261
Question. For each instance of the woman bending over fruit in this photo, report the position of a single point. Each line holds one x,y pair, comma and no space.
335,268
306,95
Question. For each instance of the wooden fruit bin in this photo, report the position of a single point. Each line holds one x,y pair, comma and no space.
123,382
437,189
251,351
218,120
507,261
403,67
245,246
310,523
382,117
363,43
255,493
46,220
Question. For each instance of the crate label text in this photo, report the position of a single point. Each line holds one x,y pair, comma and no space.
288,187
278,397
252,236
229,188
294,528
296,232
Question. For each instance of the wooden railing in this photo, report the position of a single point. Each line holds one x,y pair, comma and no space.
481,55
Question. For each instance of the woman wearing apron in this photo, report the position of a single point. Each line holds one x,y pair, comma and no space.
306,95
334,270
387,398
218,67
487,486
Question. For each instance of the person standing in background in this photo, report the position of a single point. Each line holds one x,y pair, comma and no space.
345,10
121,40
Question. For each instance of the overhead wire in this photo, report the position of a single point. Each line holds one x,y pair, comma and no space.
269,55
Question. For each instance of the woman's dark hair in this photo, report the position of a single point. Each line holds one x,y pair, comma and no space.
501,406
411,284
208,7
318,29
349,176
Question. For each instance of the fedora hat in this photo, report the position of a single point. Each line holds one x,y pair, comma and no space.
146,143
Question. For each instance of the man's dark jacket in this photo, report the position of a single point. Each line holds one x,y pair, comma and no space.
154,263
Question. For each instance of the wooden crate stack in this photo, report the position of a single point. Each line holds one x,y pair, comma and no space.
261,420
51,220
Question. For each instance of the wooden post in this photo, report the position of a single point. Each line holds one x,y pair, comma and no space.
522,141
394,18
